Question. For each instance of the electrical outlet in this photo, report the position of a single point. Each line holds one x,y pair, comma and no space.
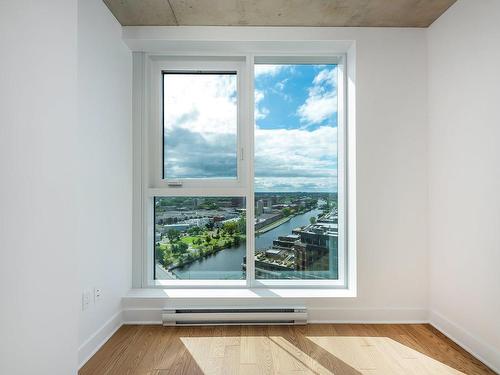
85,299
97,294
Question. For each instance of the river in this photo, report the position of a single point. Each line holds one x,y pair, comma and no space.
226,264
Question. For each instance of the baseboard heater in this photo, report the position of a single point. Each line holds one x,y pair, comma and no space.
234,316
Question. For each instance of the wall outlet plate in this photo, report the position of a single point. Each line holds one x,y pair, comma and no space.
97,294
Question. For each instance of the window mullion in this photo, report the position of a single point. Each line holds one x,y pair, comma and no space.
249,147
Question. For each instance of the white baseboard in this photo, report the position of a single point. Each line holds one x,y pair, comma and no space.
374,316
99,338
144,315
482,351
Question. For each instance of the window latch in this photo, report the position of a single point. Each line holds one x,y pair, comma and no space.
174,183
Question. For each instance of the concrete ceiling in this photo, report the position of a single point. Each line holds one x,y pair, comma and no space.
363,13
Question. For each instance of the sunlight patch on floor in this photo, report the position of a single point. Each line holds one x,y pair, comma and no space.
251,355
325,355
380,355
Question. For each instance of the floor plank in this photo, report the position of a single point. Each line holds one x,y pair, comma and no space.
340,349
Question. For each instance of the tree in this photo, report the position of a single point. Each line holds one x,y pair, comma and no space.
159,252
173,235
167,258
230,227
194,231
213,206
286,211
236,241
312,220
179,247
242,225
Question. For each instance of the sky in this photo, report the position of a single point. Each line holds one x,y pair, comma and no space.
295,127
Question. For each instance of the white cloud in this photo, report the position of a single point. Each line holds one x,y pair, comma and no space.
317,108
260,112
259,95
321,103
272,70
281,84
300,159
326,75
201,103
294,184
200,125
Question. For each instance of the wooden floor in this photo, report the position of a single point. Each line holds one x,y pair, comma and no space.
313,349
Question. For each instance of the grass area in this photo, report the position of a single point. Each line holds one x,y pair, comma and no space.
198,242
188,240
186,249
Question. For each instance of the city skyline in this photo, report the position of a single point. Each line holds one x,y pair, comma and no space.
204,237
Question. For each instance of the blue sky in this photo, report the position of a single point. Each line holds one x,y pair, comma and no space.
295,127
285,90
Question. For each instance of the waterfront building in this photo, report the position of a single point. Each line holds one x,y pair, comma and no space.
259,210
309,248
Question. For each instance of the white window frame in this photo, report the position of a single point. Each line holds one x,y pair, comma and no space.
175,63
338,59
148,106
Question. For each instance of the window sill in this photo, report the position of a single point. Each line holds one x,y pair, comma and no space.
241,293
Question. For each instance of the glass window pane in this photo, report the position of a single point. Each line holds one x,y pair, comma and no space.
200,125
296,218
200,238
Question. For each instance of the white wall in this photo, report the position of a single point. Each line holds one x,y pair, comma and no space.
391,127
38,278
391,111
464,175
105,170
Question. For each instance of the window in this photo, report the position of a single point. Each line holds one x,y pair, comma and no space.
243,177
200,124
199,238
296,217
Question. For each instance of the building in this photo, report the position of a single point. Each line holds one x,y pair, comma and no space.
181,227
197,201
311,248
259,208
266,219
